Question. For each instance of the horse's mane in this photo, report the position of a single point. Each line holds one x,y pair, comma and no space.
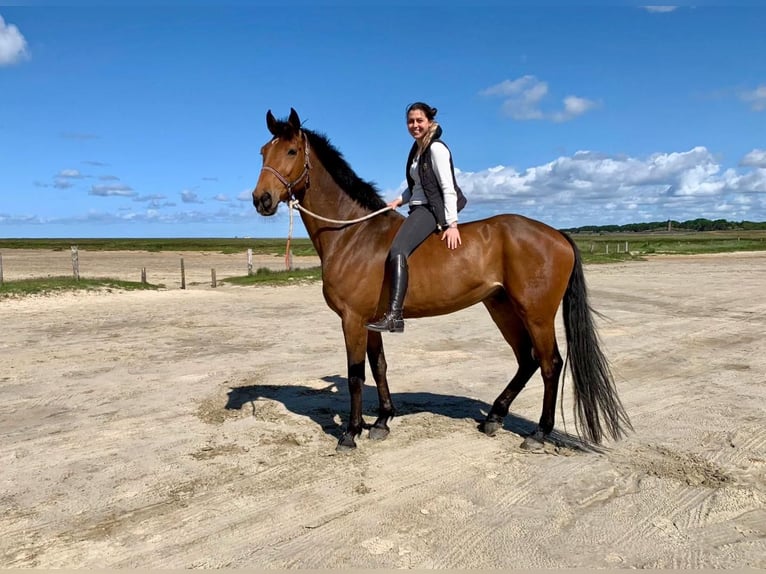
363,192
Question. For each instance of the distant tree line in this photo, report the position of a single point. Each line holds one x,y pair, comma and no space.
700,224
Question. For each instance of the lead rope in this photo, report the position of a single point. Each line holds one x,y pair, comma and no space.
295,204
289,238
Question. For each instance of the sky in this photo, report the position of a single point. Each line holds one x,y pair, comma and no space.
146,120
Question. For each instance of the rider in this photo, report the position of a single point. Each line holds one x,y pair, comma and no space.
435,200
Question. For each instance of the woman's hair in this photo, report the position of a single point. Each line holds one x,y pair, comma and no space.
429,112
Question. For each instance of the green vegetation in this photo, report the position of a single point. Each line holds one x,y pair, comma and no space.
48,285
597,245
606,247
699,224
264,276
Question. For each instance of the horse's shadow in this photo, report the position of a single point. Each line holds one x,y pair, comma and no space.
322,405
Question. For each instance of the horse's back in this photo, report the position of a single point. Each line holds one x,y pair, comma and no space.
501,242
524,257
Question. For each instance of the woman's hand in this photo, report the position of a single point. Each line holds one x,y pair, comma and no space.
393,204
452,236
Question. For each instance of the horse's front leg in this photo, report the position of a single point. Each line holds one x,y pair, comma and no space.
379,430
355,335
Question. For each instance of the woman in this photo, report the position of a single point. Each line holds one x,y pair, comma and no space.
435,200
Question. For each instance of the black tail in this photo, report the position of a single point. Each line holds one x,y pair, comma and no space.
597,407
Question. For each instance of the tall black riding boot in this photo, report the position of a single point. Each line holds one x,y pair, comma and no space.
393,321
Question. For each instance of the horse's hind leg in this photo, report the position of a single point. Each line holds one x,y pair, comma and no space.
379,429
515,333
547,351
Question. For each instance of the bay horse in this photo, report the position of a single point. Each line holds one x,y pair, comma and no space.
519,268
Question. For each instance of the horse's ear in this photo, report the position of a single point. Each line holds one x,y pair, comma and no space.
271,123
294,120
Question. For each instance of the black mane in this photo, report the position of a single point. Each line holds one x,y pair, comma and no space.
363,192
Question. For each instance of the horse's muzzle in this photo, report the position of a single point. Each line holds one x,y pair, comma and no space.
264,204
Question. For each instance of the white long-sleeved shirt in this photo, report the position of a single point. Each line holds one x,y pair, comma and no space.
440,159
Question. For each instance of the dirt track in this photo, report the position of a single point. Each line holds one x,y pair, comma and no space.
196,428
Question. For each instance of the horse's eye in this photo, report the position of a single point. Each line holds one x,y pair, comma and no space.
292,151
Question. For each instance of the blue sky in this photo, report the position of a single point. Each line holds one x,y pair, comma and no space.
146,121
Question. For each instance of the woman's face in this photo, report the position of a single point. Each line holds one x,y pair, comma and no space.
418,124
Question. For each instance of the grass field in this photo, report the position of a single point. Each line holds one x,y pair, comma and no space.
612,246
595,248
47,285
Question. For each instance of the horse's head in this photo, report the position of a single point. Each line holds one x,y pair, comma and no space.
285,164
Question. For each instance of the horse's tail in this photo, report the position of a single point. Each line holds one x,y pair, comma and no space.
597,407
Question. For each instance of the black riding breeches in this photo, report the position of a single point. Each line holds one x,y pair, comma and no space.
420,223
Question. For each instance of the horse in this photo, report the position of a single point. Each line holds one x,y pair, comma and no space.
521,269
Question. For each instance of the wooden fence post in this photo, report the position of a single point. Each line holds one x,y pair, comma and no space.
75,263
143,275
1,268
249,262
212,277
183,275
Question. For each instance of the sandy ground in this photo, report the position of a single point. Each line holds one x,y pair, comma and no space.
197,427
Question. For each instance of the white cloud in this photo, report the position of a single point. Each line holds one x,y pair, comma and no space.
585,188
112,190
13,45
754,158
756,98
152,197
188,196
573,107
660,9
511,87
62,183
599,189
64,178
70,174
524,97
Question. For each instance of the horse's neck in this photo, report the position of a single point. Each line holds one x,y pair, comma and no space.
325,198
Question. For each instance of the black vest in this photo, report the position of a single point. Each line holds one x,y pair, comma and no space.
430,183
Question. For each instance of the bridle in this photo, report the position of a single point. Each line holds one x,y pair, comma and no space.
305,173
293,201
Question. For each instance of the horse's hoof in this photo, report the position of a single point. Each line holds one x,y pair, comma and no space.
533,442
379,433
489,428
346,443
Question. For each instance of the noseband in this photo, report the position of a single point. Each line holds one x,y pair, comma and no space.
306,167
